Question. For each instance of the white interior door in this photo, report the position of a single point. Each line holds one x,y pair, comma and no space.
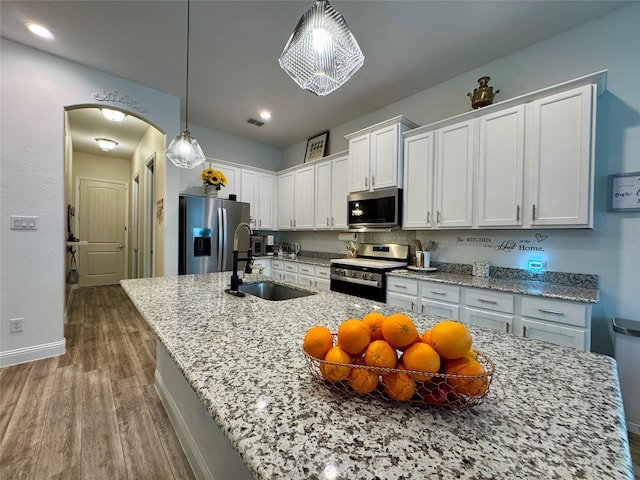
102,222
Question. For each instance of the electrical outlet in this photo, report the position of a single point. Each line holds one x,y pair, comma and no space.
15,325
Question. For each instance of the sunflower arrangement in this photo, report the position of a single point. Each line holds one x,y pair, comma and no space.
214,177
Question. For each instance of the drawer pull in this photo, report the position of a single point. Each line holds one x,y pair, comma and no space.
438,293
524,331
400,286
492,302
412,306
552,312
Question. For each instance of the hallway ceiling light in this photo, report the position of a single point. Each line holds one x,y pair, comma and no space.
113,115
40,31
184,151
106,145
322,53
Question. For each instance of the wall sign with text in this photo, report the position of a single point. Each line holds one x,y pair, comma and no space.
624,192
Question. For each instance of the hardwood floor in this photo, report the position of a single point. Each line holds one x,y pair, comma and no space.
92,413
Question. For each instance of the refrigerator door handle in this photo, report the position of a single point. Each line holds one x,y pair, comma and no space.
225,240
221,235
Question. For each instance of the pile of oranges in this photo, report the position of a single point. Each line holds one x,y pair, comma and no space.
409,365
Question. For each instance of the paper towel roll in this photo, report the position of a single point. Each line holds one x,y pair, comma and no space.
270,240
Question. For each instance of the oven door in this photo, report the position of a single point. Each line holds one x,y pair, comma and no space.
359,289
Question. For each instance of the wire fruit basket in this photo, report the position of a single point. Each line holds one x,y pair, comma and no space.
453,392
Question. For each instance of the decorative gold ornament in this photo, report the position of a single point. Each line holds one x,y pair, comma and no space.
483,95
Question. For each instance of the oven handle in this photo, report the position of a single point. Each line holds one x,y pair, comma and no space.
359,281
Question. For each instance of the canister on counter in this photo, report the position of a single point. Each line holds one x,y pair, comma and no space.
481,269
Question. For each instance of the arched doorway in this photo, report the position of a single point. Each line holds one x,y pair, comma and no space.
112,202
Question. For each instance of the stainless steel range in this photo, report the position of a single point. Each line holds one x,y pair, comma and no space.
365,275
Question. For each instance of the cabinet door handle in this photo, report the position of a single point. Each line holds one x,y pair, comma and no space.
294,222
366,182
261,223
438,216
332,224
421,308
492,302
533,212
428,217
290,223
327,221
524,331
552,312
507,327
517,213
412,306
373,181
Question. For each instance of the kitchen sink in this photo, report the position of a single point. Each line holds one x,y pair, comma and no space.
273,291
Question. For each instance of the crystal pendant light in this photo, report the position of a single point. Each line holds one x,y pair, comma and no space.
184,151
322,53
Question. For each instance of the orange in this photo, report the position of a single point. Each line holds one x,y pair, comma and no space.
426,337
335,373
422,358
450,339
399,385
468,367
317,342
380,354
362,380
399,330
374,321
353,336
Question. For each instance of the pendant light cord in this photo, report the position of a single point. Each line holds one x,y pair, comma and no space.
186,108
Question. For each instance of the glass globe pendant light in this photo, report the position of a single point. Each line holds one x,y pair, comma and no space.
184,151
322,53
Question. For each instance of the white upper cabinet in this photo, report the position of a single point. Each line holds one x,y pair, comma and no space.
332,187
418,181
257,190
500,168
455,156
375,155
285,201
233,180
559,137
304,186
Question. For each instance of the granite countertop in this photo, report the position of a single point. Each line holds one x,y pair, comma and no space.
551,412
323,262
523,287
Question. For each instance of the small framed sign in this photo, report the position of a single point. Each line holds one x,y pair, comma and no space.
317,147
624,192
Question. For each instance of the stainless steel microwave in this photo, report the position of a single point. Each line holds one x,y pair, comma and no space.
380,209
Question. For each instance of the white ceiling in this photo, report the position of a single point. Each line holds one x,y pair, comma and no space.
409,46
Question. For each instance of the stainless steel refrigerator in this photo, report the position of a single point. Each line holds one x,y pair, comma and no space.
206,228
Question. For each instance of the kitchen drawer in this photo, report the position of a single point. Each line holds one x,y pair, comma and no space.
323,273
488,300
322,284
567,313
401,300
440,309
277,264
440,292
492,320
291,267
304,269
556,334
402,285
290,277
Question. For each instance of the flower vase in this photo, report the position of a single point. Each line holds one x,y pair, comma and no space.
210,191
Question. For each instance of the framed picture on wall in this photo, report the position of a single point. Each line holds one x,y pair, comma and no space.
317,147
624,192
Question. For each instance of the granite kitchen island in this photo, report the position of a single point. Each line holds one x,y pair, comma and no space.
551,412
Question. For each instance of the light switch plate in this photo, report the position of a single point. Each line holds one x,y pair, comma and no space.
24,222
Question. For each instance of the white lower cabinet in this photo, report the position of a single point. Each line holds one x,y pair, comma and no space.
306,275
323,277
560,322
556,321
440,299
489,309
277,269
264,264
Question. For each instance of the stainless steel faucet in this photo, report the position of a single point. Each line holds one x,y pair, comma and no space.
235,280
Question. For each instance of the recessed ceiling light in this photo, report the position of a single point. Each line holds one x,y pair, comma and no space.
265,115
40,31
113,115
105,144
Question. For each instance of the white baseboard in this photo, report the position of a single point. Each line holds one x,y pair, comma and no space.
31,354
633,427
